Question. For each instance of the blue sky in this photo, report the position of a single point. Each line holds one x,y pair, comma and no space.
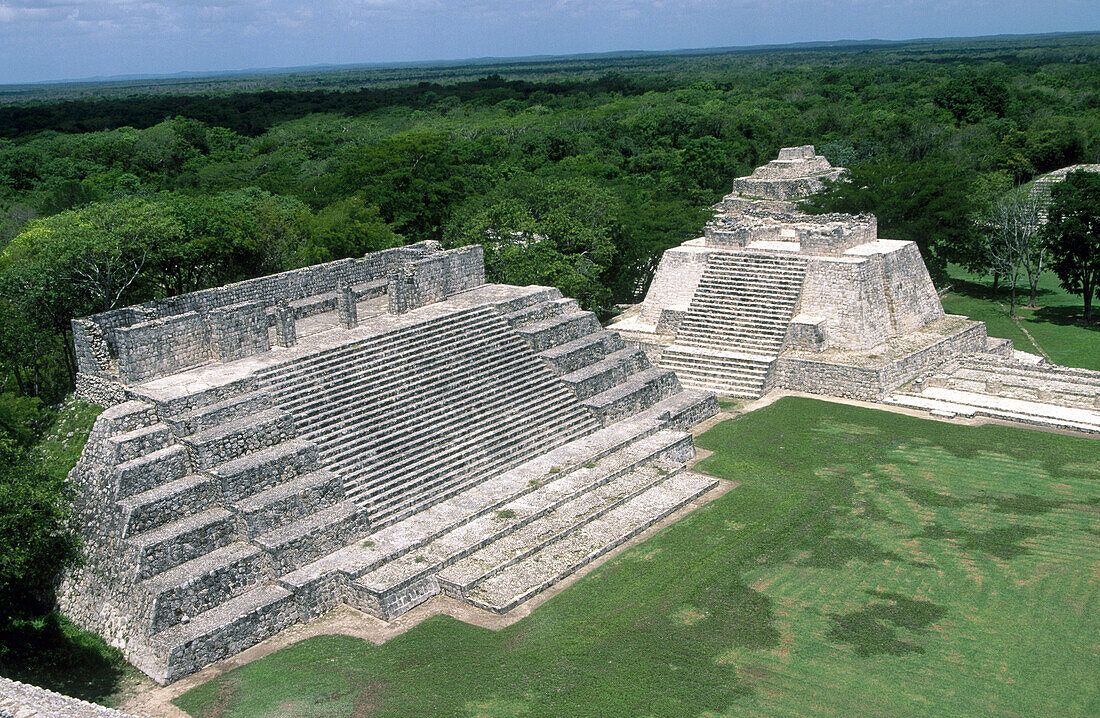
63,39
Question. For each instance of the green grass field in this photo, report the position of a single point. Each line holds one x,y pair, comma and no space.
870,563
1056,324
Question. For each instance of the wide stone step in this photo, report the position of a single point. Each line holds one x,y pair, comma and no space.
168,502
315,535
405,368
521,581
182,540
606,373
239,437
501,450
737,391
138,442
273,466
639,392
388,587
222,412
223,631
288,501
542,335
203,583
395,500
320,581
579,353
460,577
380,406
151,470
470,404
541,312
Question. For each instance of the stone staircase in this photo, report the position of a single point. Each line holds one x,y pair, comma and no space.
211,505
411,417
737,323
486,544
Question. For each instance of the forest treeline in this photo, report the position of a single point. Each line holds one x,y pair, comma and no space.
191,191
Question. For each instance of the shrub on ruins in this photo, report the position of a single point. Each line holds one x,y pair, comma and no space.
927,201
1072,235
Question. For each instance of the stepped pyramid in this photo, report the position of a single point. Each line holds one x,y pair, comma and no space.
770,297
370,432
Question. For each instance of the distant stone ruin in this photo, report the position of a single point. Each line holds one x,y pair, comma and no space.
771,297
372,432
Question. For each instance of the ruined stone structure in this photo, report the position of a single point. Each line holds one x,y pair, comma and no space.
372,432
1042,185
19,700
771,297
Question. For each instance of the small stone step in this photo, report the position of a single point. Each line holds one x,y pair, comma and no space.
268,467
203,583
315,535
168,502
288,501
521,581
180,541
151,470
223,631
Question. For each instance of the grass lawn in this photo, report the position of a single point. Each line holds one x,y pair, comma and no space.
1057,324
870,563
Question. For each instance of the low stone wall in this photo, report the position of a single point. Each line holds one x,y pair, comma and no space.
161,346
95,346
20,700
435,278
872,383
239,331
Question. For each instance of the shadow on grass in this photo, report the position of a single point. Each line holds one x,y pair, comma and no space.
837,551
54,654
1061,315
1002,542
871,630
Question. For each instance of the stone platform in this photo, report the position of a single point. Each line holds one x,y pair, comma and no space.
480,441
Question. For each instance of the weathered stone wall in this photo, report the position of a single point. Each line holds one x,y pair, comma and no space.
292,286
674,284
436,277
912,297
162,346
848,294
239,331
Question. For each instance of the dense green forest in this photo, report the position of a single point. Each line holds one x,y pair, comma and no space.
609,160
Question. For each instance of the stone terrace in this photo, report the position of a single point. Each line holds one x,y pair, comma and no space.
440,436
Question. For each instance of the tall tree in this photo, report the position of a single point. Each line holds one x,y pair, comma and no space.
1014,245
1072,234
